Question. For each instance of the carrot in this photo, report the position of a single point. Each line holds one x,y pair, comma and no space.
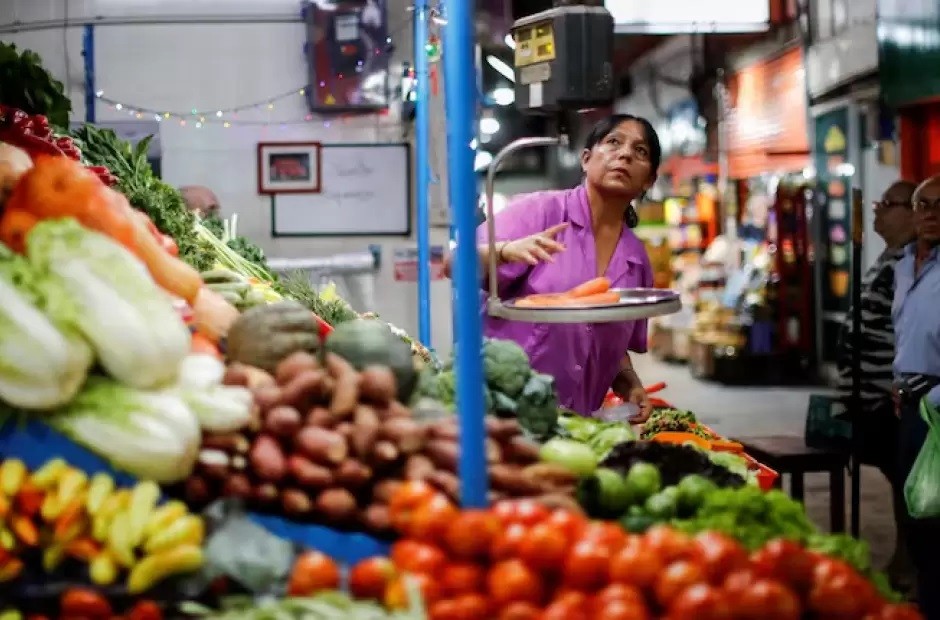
565,300
656,387
597,299
169,272
591,287
14,226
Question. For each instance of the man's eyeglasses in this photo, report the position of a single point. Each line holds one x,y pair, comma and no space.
922,206
890,204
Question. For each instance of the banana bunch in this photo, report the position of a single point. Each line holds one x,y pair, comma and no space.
240,291
59,510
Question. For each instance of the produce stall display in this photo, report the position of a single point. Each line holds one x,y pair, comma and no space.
184,434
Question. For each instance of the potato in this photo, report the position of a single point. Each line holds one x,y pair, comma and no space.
384,453
230,443
509,479
564,502
418,467
444,429
445,454
267,460
347,430
247,376
237,485
377,385
321,445
308,474
385,489
268,396
336,505
265,494
319,416
346,390
196,490
521,450
394,409
502,430
366,431
408,435
493,452
376,519
550,477
447,483
296,503
352,474
293,365
304,390
282,421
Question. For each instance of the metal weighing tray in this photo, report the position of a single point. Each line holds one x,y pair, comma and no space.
635,303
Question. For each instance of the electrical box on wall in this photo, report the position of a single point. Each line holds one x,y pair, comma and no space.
564,59
348,50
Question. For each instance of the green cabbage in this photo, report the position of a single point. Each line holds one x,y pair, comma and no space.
136,332
43,359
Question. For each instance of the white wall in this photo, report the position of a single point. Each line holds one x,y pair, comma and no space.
845,48
208,66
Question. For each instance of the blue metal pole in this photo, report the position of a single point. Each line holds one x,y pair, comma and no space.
461,100
422,147
88,53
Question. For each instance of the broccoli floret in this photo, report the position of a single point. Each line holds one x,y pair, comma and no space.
506,366
538,406
503,405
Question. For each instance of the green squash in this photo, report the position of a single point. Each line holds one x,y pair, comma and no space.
264,335
367,342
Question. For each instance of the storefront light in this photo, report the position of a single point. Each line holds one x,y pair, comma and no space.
510,42
489,126
845,170
503,96
482,160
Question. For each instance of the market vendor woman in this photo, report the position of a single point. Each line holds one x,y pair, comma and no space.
549,242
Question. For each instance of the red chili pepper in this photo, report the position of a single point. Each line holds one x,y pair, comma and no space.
323,328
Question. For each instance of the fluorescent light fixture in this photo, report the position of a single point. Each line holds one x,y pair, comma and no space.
503,96
510,42
501,67
689,16
482,160
489,126
474,144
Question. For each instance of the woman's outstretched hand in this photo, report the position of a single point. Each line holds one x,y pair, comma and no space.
534,248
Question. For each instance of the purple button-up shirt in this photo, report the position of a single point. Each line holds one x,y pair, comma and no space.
583,358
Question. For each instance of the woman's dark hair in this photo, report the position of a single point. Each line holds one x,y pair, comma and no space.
602,129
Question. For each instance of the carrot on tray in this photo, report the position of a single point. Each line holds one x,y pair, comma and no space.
565,300
591,287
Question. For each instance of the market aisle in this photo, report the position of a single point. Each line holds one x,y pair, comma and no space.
752,411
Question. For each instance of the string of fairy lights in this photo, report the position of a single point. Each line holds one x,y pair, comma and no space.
198,117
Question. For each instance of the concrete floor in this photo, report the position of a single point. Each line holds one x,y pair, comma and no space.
759,411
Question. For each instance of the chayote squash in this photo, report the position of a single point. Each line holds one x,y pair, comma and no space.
367,342
264,335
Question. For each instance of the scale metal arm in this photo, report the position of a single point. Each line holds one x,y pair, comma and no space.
634,303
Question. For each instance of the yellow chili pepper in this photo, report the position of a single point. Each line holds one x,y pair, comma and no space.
12,476
164,516
144,499
100,488
47,476
119,541
188,530
103,569
154,568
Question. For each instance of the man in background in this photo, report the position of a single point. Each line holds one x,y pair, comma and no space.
201,200
917,374
894,222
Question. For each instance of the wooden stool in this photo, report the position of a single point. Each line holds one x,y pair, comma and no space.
790,455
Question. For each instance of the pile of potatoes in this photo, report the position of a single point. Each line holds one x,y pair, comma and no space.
329,444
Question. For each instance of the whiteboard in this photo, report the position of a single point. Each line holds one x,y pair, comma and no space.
366,190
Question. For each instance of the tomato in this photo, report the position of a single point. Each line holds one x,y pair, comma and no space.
765,598
524,511
575,598
840,596
605,533
702,602
718,554
471,534
571,523
896,612
405,502
675,578
637,565
84,602
429,522
566,610
508,541
369,578
544,547
414,557
667,543
786,561
313,572
587,566
827,568
145,610
463,578
739,581
623,610
472,607
512,581
520,611
615,592
396,594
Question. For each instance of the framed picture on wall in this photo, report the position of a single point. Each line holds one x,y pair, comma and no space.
289,167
